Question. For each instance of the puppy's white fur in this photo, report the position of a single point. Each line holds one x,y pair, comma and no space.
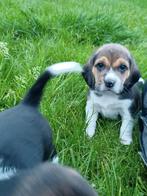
111,76
141,80
110,106
55,160
64,67
6,173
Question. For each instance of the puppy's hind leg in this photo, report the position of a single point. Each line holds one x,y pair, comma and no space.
91,118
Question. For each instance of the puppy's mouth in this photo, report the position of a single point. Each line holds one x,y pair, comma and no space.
100,91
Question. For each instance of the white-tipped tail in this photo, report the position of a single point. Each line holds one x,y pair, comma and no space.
64,67
34,95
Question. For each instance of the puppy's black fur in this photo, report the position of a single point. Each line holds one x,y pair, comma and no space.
25,135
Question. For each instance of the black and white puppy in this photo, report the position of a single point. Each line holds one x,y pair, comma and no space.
111,74
47,180
25,135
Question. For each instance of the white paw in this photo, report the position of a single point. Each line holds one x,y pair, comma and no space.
126,140
90,132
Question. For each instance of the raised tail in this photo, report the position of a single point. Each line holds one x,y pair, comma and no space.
33,97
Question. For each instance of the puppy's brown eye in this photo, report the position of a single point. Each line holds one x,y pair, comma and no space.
122,68
100,66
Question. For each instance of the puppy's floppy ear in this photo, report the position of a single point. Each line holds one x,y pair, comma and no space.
134,74
88,75
87,72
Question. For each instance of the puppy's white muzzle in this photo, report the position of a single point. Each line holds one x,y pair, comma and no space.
113,82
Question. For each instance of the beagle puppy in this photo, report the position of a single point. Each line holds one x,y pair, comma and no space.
111,74
25,135
47,180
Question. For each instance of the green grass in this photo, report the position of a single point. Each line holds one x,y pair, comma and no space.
39,33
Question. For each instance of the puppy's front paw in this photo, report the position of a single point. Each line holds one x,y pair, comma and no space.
126,140
90,132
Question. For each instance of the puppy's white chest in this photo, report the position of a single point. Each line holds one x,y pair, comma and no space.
109,105
109,111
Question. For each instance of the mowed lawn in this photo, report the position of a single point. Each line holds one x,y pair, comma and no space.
39,33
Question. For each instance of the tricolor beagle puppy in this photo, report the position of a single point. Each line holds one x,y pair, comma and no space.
111,74
25,135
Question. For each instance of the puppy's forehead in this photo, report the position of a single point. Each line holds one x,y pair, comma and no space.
113,52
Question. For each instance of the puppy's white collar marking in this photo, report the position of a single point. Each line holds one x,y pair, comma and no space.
55,159
7,173
64,67
141,80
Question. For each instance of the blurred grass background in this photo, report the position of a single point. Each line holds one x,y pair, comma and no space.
37,33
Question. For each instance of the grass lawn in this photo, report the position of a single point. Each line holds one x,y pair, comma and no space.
41,32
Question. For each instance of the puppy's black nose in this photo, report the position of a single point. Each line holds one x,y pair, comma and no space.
109,83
